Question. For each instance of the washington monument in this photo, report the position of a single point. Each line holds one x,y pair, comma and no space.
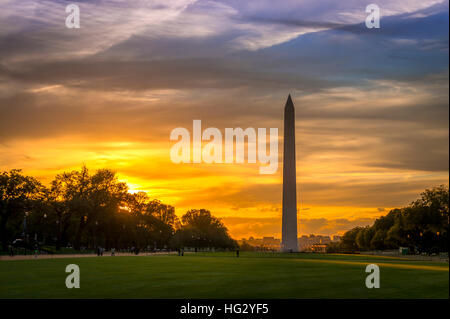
289,222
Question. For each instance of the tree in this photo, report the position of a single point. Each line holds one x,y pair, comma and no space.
200,229
423,225
58,212
88,204
164,213
163,221
363,238
395,235
84,209
17,194
349,239
377,241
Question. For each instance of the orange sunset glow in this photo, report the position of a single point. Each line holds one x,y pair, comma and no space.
369,136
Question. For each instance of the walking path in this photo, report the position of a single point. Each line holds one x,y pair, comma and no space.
49,256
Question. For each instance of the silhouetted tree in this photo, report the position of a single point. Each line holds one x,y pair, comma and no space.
200,229
17,195
422,226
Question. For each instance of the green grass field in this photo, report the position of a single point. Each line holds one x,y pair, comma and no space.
221,275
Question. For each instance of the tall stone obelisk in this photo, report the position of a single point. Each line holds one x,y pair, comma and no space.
289,222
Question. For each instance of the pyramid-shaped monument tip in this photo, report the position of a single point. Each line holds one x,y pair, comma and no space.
289,102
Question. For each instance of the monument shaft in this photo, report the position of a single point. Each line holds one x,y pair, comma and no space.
289,220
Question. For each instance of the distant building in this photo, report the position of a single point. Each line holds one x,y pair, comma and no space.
306,243
319,248
265,243
311,243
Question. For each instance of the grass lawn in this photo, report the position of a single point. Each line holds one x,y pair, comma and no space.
221,275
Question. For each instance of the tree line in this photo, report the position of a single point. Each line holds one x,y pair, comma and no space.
421,226
84,209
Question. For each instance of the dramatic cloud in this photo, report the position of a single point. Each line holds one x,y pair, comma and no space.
371,104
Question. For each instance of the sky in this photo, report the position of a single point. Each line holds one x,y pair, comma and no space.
372,105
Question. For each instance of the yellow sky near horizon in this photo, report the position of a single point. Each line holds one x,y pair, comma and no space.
249,203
